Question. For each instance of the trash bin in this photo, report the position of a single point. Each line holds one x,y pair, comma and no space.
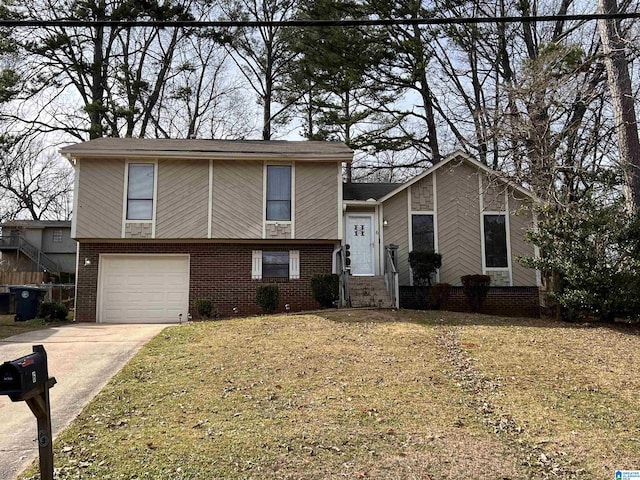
27,301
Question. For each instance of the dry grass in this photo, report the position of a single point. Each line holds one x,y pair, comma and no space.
364,394
9,328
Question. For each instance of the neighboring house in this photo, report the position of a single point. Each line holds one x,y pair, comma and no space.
38,246
161,223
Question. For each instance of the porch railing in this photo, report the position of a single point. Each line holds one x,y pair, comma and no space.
391,274
343,274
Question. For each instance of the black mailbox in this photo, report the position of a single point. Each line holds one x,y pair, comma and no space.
21,376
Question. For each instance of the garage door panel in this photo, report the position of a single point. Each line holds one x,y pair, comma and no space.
144,288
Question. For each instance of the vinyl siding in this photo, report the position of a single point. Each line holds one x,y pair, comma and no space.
100,190
237,200
521,221
458,222
493,194
183,199
422,194
316,201
397,232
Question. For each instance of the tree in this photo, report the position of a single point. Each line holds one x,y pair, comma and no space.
592,254
334,72
261,54
33,181
619,82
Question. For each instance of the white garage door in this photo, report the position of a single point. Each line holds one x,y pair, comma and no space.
143,288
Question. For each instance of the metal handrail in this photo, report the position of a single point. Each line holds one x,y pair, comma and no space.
391,275
34,253
343,277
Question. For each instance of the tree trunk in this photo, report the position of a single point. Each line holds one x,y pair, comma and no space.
624,112
97,84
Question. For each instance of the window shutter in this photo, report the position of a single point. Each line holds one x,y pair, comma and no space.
256,265
294,264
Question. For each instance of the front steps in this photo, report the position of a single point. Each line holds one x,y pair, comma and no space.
369,292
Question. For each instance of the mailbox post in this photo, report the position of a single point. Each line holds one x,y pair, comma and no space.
27,379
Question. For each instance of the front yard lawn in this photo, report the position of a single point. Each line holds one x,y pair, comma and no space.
365,394
8,327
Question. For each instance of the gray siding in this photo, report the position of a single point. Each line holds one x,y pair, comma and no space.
458,222
68,245
100,190
493,193
397,231
422,194
183,199
237,200
520,221
316,201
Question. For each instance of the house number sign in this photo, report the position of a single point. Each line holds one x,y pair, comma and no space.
358,230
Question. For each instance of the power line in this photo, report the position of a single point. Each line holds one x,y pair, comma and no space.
316,23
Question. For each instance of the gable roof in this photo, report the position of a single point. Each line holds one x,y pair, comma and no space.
37,224
196,148
458,155
365,191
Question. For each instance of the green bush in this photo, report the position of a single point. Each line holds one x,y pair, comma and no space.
424,264
325,289
205,309
52,311
475,287
438,295
267,298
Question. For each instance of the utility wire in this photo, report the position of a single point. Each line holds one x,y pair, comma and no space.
316,23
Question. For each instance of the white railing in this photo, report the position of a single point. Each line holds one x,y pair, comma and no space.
391,274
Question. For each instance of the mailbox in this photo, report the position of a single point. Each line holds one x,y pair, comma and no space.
21,376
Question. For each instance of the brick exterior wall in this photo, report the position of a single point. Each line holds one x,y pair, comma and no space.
220,272
505,301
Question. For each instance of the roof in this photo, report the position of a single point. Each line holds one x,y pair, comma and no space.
196,148
365,191
38,223
458,155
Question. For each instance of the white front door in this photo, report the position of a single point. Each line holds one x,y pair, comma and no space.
360,236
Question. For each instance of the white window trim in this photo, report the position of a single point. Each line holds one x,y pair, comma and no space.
435,237
434,213
125,221
266,222
508,268
294,264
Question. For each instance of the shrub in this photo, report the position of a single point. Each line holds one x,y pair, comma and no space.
267,298
325,289
205,309
438,295
52,311
424,264
475,287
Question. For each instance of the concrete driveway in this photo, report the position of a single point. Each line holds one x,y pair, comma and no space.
82,358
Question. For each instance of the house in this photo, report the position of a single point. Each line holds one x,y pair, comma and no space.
162,223
470,214
37,246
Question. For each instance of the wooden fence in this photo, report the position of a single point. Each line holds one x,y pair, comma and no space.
22,278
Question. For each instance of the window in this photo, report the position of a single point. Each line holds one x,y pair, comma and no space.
495,241
140,191
57,236
422,232
275,264
279,193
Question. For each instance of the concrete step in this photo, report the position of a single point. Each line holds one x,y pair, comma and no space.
369,292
